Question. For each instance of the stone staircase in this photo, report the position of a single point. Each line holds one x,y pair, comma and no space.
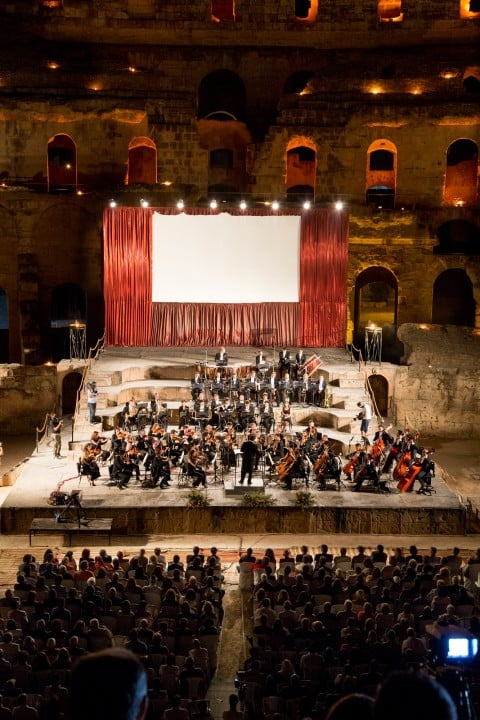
116,387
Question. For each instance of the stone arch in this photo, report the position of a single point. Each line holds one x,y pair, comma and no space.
469,9
458,236
453,302
223,10
471,79
70,384
61,164
376,302
297,83
222,92
227,142
301,168
379,387
381,173
390,11
142,162
461,174
306,11
68,303
4,327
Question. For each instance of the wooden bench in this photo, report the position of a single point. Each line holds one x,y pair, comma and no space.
96,526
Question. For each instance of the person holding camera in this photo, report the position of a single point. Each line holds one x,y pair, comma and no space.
364,415
56,425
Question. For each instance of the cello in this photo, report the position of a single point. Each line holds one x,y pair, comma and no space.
406,482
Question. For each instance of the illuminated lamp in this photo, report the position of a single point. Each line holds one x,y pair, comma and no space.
112,204
339,205
213,204
307,205
275,205
180,205
144,203
243,205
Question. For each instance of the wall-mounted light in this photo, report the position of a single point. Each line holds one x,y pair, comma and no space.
338,205
144,203
180,205
112,204
307,205
213,204
243,205
275,205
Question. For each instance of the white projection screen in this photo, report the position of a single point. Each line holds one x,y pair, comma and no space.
225,258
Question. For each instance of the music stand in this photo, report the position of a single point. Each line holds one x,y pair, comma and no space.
373,344
72,507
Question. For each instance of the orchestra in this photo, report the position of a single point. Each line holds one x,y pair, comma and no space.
248,414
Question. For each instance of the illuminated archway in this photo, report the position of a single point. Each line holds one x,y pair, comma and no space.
142,162
381,174
223,11
375,303
453,302
461,174
61,164
469,9
306,11
390,11
301,168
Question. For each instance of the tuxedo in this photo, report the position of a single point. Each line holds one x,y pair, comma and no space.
300,359
261,362
284,362
221,359
321,390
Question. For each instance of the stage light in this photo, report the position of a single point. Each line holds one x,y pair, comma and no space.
112,203
307,205
79,192
339,205
243,205
180,204
275,205
144,203
213,204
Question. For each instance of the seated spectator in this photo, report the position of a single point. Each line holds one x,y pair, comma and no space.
413,696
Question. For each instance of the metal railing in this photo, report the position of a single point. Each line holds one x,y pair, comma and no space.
93,354
41,432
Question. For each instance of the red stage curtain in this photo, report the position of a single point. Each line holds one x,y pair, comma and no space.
318,320
127,262
323,279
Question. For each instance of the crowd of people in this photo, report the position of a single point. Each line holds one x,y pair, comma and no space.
168,613
326,625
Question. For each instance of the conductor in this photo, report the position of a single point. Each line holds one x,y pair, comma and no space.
249,456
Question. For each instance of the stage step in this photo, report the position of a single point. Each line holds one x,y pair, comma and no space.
236,489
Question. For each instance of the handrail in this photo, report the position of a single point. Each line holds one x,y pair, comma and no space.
371,395
43,429
93,353
360,359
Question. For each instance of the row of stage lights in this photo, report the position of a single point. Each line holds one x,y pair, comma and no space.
275,205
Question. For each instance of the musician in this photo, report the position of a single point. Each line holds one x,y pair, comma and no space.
96,443
285,387
221,358
261,362
184,416
160,468
155,404
196,385
202,414
284,362
252,384
383,434
286,415
234,386
217,385
125,472
426,473
313,434
216,409
396,450
89,465
266,415
357,458
300,360
321,391
286,469
249,458
367,470
194,465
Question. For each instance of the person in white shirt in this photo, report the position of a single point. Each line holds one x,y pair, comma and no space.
364,415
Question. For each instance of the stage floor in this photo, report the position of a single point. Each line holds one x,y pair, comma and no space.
138,509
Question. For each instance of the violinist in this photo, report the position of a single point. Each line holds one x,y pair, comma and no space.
96,443
202,414
194,463
209,443
266,415
126,469
89,465
354,460
367,469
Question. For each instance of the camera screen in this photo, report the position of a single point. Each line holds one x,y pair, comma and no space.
459,648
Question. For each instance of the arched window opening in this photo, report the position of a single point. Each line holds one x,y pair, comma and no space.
227,143
51,3
306,10
453,302
381,174
222,91
469,9
62,164
68,304
298,83
221,175
390,11
221,159
461,175
4,327
379,387
301,169
458,237
376,300
142,162
223,11
471,79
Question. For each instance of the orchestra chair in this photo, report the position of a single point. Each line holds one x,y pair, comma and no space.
185,477
83,472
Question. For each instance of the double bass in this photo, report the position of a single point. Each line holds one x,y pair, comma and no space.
406,482
285,465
